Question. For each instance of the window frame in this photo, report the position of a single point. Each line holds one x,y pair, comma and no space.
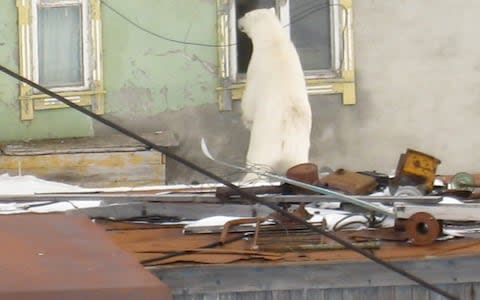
91,92
339,80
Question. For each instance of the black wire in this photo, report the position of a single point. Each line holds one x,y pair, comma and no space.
40,204
350,223
149,219
307,5
178,253
374,223
305,13
49,203
229,184
335,227
161,36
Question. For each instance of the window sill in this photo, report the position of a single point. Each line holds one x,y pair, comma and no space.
315,86
31,103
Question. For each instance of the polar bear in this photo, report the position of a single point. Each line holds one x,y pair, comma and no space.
275,105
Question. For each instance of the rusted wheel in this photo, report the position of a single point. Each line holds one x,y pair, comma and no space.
422,228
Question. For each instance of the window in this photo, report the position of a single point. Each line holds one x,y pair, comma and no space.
60,48
321,31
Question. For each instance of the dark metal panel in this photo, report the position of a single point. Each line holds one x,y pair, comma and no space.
265,295
55,256
333,294
315,294
360,294
257,277
385,292
227,296
288,295
465,291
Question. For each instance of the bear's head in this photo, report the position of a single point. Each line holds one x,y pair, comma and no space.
260,22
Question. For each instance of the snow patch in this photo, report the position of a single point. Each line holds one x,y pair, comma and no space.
30,185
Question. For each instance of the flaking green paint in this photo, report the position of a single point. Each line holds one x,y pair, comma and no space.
148,75
143,74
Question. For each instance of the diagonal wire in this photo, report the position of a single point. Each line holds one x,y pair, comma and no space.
246,194
155,260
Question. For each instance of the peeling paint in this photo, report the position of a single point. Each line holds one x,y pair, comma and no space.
134,99
209,67
187,93
164,93
166,53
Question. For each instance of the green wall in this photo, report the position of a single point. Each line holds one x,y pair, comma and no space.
144,75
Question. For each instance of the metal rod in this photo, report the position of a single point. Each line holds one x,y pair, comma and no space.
125,197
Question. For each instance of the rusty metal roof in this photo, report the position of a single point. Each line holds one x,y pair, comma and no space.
149,242
55,256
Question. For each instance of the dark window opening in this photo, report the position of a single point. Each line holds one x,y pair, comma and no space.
244,44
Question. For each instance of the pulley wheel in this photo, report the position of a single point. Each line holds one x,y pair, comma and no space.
422,228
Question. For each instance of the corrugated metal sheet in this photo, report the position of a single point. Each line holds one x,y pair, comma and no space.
55,256
234,272
468,291
148,242
329,280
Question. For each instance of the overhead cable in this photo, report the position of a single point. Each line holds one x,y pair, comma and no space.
295,18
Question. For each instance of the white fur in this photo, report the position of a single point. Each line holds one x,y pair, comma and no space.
275,104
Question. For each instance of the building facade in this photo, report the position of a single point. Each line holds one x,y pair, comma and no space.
382,76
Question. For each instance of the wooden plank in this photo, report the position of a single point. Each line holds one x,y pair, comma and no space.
90,169
248,277
112,143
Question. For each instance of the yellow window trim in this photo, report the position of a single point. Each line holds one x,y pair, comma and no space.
93,96
344,84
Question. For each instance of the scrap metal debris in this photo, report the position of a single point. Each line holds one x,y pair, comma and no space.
416,168
415,178
350,182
